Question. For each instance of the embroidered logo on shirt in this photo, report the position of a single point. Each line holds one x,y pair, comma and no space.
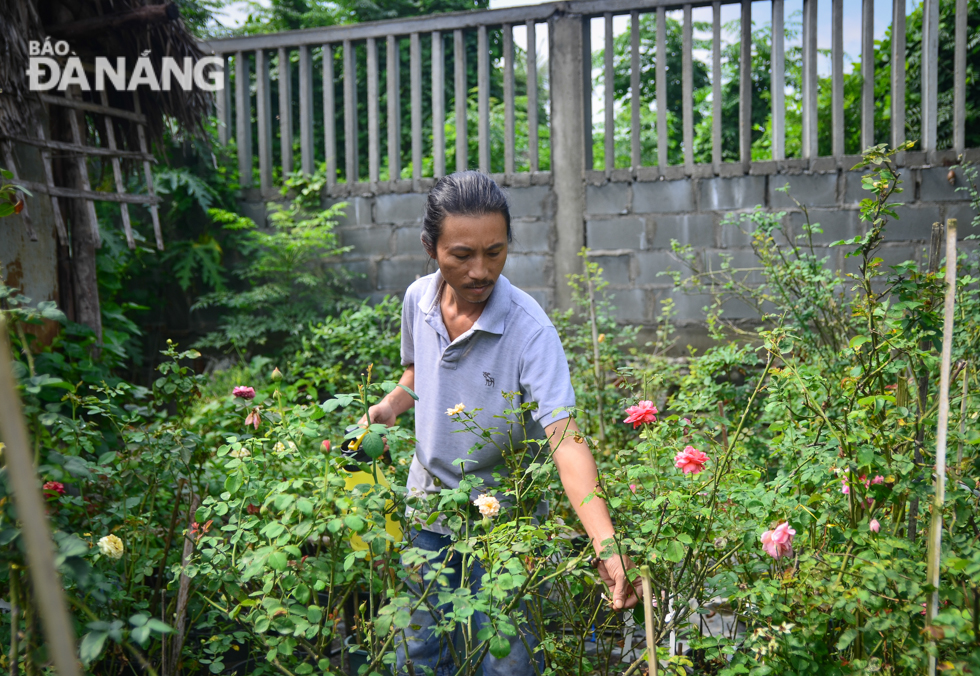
488,378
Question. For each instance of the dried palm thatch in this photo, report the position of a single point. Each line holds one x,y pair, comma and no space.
24,20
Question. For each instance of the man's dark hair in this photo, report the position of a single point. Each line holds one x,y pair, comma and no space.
465,193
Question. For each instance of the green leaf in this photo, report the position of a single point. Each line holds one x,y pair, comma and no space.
278,560
846,638
675,551
373,445
499,647
91,647
233,483
354,522
858,341
410,392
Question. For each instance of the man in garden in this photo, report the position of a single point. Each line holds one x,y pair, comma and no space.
467,336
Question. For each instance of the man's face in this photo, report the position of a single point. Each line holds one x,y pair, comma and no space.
471,253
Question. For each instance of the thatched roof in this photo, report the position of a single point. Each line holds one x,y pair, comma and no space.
130,36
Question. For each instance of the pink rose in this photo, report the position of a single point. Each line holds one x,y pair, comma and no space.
326,445
52,489
254,418
643,412
633,489
878,480
844,488
874,525
690,460
244,392
778,542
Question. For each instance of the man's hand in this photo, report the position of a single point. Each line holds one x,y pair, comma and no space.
624,593
381,413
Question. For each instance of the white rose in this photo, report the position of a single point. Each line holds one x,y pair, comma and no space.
489,505
111,547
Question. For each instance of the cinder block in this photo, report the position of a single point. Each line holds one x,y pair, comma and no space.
373,241
742,264
663,197
836,224
736,308
913,223
396,274
528,270
964,215
630,305
854,193
628,232
399,208
698,230
650,263
689,307
535,201
357,211
812,190
361,276
615,269
936,187
741,192
542,297
534,236
609,198
407,241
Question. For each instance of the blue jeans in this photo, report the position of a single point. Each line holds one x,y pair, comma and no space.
427,649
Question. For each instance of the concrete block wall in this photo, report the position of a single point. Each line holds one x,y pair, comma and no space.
629,226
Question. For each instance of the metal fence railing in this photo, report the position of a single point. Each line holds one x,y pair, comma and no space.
263,108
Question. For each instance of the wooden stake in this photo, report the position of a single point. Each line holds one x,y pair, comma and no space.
648,620
936,517
35,531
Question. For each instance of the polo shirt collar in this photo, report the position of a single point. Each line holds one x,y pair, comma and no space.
493,319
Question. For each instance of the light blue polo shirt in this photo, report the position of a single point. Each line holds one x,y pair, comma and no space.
512,347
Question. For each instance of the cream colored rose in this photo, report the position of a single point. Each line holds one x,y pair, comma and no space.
489,505
111,547
239,453
458,408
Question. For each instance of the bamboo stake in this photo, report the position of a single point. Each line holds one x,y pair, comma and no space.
936,517
648,620
959,444
58,631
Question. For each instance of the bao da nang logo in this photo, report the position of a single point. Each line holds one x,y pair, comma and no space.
45,72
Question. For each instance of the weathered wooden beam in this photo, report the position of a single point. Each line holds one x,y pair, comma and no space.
96,195
93,108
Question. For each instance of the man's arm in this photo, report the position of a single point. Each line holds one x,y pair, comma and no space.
579,474
395,402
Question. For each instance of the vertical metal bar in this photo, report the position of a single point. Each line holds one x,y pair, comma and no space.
716,86
687,87
350,114
609,78
587,92
223,103
329,117
959,79
837,77
374,142
508,99
661,75
263,114
532,98
415,66
635,145
306,109
460,95
394,110
243,119
438,106
483,97
110,134
809,79
867,73
930,68
898,73
285,112
745,86
148,175
778,84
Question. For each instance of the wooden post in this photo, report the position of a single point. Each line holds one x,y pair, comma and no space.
36,533
936,518
652,662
